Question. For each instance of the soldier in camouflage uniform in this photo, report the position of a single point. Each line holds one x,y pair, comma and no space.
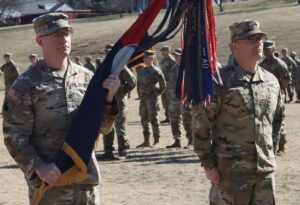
33,58
77,60
294,57
176,111
98,62
38,110
235,135
292,67
10,71
128,82
279,69
89,65
147,79
166,64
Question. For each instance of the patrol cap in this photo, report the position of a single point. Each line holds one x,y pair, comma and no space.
269,44
7,55
32,55
165,48
50,23
276,53
293,54
149,54
88,58
109,46
99,60
284,50
244,29
177,51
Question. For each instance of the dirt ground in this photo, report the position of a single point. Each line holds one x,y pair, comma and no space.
159,176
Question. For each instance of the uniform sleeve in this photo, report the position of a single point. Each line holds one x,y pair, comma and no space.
17,129
162,82
277,121
130,80
203,125
284,74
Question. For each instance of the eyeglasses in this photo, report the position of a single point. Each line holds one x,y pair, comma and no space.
60,34
254,39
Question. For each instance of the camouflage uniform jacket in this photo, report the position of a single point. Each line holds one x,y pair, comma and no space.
128,82
166,65
171,80
91,67
10,73
278,68
292,67
239,129
147,80
37,113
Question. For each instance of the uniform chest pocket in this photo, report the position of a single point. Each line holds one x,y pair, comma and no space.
236,102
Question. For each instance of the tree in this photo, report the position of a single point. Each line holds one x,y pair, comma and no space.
6,6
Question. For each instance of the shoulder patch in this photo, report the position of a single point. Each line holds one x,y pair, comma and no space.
13,95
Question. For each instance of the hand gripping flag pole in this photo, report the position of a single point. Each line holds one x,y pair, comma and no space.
75,154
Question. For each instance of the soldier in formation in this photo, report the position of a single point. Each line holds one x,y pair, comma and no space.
38,110
147,79
279,69
10,71
32,58
128,83
89,64
292,67
235,135
177,113
294,57
166,64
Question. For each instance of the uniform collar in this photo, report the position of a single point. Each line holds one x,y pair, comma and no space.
48,71
243,75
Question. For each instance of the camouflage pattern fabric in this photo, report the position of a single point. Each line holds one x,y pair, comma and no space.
176,111
238,131
292,67
37,113
128,83
149,91
166,65
11,73
90,66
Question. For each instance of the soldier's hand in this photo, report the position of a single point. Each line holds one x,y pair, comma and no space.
49,173
213,175
112,84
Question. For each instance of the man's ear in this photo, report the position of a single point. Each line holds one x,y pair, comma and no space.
232,47
39,40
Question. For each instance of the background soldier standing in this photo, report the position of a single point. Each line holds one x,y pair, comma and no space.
147,80
33,58
279,69
89,64
292,67
10,71
38,110
128,83
294,57
235,136
77,60
166,64
175,108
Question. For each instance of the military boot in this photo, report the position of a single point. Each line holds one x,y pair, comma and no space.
106,156
146,142
123,145
176,144
281,150
156,140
